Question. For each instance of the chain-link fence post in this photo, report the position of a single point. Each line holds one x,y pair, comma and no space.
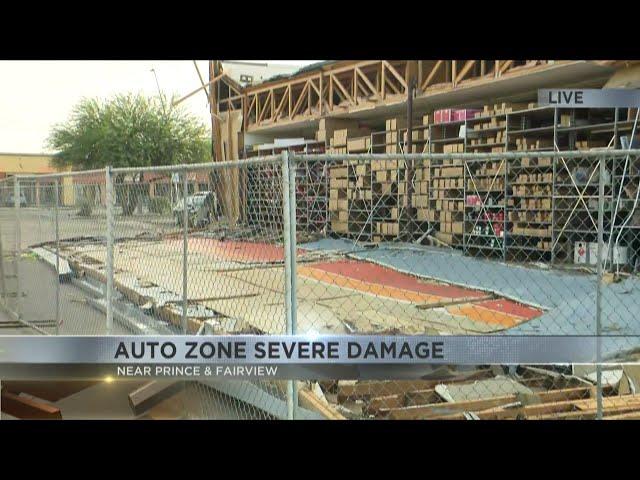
57,228
110,234
293,243
289,236
16,204
599,289
185,235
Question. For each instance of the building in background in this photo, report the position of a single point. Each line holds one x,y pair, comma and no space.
29,164
25,164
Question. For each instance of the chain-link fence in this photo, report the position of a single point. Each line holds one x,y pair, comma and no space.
440,244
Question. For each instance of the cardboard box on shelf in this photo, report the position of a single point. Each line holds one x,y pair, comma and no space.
457,227
339,227
416,135
359,144
397,123
339,172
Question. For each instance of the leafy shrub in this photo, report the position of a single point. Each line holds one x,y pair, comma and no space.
159,205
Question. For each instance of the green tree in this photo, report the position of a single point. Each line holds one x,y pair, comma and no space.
128,131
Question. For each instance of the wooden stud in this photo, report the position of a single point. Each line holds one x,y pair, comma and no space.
343,90
151,394
433,72
505,66
367,82
454,75
455,409
395,73
465,70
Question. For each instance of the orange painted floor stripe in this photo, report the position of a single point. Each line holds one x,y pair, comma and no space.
372,273
480,314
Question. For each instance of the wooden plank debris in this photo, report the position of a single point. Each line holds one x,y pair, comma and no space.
24,407
151,394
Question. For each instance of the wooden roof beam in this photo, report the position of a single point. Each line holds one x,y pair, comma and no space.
342,89
465,70
298,103
395,73
367,82
432,74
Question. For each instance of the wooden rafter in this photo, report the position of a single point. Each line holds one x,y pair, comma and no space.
367,82
282,103
301,97
342,89
432,74
336,85
395,89
465,70
266,105
251,104
505,66
395,73
316,88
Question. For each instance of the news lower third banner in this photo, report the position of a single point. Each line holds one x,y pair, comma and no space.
280,357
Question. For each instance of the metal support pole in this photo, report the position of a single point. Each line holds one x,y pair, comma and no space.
16,204
185,237
293,245
599,291
57,228
110,235
289,221
410,164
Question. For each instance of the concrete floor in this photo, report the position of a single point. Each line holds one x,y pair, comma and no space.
38,286
37,303
253,293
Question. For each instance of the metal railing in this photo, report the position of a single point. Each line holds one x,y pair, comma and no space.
462,244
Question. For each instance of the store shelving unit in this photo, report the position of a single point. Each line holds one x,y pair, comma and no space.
529,209
264,189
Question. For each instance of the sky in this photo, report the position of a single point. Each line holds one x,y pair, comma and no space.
36,95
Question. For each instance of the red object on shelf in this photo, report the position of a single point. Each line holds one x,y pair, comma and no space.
473,200
443,116
464,114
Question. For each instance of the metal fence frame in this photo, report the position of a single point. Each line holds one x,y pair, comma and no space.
289,163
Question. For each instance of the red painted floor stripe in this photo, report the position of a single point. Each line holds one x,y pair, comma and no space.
510,307
376,274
